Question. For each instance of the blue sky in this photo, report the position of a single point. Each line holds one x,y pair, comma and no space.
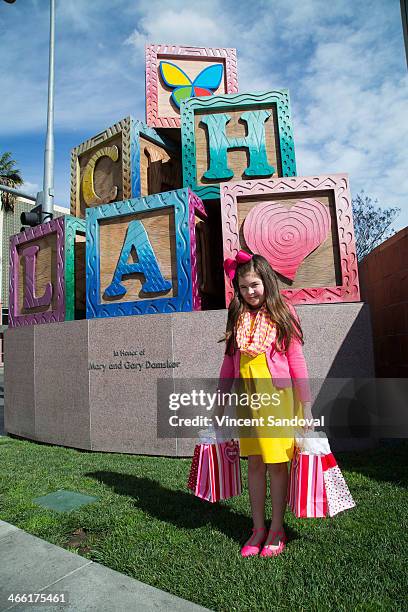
343,62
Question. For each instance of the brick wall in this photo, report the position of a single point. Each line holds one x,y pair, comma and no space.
384,285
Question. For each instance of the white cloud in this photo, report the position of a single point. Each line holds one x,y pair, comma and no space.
94,85
30,188
169,26
351,108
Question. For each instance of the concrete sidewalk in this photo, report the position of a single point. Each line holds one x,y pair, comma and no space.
31,565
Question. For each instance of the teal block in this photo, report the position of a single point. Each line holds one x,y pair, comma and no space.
256,110
73,227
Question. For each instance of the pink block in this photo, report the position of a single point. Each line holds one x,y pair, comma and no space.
287,235
160,112
49,306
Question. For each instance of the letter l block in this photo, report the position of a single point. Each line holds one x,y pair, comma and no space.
47,273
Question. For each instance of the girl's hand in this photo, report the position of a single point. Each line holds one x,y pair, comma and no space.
307,414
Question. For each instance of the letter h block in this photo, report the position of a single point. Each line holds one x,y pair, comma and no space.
47,273
235,137
127,160
141,255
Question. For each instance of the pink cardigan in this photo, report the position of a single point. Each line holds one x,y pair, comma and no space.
285,368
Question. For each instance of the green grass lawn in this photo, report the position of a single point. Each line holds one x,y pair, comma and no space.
147,525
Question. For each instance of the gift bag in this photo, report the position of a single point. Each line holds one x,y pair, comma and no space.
215,472
338,494
316,485
306,490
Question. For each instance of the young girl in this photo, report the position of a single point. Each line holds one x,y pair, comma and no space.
264,348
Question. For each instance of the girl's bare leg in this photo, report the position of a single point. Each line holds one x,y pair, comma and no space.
278,475
257,494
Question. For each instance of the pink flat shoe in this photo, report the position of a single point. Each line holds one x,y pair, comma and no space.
250,550
268,551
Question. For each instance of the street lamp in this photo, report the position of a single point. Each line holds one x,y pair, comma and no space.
45,198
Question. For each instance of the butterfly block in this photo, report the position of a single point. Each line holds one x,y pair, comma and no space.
303,226
47,273
127,160
232,137
175,73
141,255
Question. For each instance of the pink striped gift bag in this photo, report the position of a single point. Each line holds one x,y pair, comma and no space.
316,486
306,491
215,472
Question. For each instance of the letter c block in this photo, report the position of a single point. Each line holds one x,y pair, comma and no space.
127,160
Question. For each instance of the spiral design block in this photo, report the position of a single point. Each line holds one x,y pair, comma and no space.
285,237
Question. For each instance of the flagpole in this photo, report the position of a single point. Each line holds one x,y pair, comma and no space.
48,182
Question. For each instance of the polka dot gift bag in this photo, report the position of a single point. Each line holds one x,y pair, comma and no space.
215,472
316,485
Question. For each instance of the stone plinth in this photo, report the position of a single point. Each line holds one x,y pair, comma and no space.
69,383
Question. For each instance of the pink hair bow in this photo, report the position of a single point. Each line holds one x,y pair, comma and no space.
230,265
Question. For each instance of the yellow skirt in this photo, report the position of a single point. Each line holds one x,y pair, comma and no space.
273,441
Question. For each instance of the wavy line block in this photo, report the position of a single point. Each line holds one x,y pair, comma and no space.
255,218
127,160
47,273
141,255
232,137
286,237
187,64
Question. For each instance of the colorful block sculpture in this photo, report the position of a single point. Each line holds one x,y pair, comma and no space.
233,137
303,226
127,160
176,73
47,273
142,256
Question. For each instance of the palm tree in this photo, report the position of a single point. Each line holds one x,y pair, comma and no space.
11,177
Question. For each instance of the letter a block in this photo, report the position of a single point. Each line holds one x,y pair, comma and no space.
234,137
47,273
142,255
127,160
